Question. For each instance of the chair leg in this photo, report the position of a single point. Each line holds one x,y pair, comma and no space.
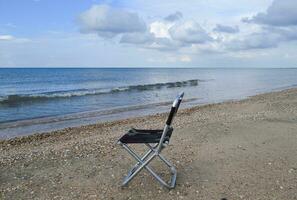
139,168
171,166
172,170
144,161
138,163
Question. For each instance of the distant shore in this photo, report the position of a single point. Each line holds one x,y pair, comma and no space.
235,150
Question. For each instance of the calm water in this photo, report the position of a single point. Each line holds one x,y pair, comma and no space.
38,100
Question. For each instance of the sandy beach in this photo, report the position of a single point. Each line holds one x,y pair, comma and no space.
234,150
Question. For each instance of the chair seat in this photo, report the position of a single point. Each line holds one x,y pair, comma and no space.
144,136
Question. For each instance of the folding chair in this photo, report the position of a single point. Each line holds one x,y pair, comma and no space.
156,141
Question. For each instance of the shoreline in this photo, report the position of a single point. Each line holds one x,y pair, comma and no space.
242,149
40,135
99,124
54,123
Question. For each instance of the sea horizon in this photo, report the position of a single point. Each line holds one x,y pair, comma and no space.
146,67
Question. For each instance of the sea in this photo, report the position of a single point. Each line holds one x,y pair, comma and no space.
37,100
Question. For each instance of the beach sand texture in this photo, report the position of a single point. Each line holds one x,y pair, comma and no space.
235,150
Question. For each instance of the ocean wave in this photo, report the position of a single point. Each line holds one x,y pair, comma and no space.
22,98
95,114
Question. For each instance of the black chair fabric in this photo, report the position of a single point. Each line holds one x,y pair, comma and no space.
145,136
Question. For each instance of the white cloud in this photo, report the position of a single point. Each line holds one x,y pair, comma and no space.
164,44
169,34
260,40
279,13
267,37
174,34
189,32
276,26
108,22
160,29
6,37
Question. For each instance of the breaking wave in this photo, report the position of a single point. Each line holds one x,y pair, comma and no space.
14,99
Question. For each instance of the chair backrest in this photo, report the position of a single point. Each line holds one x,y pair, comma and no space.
172,113
174,108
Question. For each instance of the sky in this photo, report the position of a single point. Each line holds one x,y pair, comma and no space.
141,33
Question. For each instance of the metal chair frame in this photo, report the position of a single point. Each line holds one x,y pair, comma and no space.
153,152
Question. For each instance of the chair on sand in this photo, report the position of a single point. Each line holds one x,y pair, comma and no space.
156,141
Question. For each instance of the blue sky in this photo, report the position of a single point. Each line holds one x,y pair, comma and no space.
31,18
139,33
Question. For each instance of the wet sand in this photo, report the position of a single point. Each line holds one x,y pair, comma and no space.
234,150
